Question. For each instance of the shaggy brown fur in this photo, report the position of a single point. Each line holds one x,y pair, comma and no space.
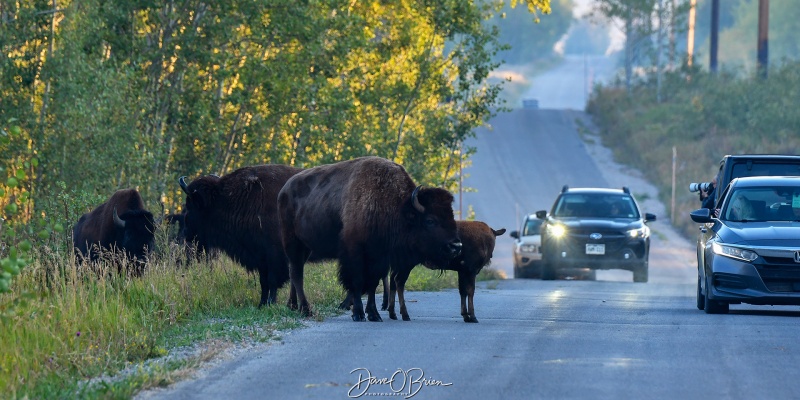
366,213
478,241
237,214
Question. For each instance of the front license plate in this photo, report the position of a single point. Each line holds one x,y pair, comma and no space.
598,249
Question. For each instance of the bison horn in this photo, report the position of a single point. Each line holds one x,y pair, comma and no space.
182,182
415,200
117,220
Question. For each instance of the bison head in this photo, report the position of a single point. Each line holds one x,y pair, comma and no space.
201,196
136,228
434,230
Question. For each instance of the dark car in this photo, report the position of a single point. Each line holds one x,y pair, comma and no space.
750,253
527,248
595,228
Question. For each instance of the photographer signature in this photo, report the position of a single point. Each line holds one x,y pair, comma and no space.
405,383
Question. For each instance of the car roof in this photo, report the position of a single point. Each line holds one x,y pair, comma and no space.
760,156
595,190
751,181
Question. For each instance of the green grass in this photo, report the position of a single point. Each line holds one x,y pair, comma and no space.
80,323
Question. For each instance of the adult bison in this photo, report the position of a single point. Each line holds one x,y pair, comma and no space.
367,213
236,214
478,241
121,224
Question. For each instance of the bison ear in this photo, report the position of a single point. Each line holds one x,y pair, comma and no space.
499,232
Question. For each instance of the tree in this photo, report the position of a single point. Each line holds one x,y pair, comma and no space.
138,93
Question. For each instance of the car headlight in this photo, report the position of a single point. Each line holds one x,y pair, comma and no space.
642,232
734,252
527,248
556,230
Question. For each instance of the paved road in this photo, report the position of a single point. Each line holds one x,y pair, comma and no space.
536,339
609,338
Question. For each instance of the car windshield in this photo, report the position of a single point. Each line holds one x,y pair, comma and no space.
532,227
596,205
773,203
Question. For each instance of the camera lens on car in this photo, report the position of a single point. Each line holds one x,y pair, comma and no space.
704,186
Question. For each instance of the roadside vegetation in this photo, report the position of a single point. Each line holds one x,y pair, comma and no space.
98,96
704,116
81,322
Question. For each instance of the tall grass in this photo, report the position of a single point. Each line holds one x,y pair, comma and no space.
83,321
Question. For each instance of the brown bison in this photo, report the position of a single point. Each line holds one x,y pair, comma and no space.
478,241
121,223
237,214
369,214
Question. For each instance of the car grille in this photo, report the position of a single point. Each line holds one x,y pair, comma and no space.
780,274
615,242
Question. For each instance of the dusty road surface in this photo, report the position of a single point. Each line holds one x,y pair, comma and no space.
604,339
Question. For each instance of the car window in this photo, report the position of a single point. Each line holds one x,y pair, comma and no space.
532,227
772,203
743,169
596,205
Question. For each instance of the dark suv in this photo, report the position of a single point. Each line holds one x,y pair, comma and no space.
595,228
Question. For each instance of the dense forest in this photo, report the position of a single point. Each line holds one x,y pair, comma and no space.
105,94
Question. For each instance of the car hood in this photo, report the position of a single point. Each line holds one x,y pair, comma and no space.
531,239
770,233
601,224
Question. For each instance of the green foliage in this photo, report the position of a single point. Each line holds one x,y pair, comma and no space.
705,117
17,170
135,94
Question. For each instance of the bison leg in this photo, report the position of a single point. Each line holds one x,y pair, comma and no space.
385,302
358,305
346,303
392,292
372,307
297,254
400,282
466,288
267,293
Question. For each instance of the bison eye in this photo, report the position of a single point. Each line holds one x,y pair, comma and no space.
430,222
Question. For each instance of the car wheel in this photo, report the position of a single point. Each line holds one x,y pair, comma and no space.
714,306
641,273
701,299
548,271
520,273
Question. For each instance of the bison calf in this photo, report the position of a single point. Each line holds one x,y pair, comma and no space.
478,241
121,223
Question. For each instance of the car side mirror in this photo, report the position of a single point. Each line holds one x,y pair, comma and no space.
702,216
541,214
649,217
514,234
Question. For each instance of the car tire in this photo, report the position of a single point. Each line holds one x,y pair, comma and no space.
548,271
520,273
701,299
641,273
714,306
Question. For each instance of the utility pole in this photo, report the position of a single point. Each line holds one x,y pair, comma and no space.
763,37
712,55
660,50
672,34
674,167
690,35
